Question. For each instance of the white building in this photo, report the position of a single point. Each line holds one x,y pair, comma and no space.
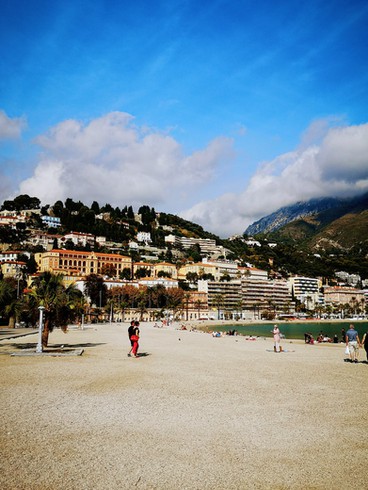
78,238
306,290
144,236
51,221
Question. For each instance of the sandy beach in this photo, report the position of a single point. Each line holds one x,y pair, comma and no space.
193,412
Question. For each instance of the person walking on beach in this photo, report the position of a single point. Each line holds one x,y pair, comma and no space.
135,338
353,342
130,333
276,339
365,343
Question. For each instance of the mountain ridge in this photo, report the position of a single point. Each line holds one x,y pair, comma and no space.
322,223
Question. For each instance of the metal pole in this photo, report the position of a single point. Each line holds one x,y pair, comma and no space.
82,322
40,328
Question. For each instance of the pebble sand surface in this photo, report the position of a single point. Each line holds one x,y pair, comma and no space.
193,412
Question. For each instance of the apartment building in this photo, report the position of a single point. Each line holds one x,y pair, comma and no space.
51,221
12,268
254,273
198,268
340,295
350,279
306,290
166,267
12,255
224,298
81,263
82,239
144,265
263,295
223,267
39,238
195,306
144,236
151,282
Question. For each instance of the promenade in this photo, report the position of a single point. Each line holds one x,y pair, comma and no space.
193,412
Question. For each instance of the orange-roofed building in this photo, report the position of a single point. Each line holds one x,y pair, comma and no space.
81,263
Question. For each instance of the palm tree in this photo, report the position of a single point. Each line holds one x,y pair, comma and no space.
198,304
186,302
10,305
219,303
49,291
174,298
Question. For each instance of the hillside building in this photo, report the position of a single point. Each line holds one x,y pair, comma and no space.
198,268
80,263
51,221
79,239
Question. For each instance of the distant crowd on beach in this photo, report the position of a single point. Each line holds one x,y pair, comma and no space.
350,338
309,339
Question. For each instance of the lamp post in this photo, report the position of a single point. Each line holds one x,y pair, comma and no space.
18,277
40,328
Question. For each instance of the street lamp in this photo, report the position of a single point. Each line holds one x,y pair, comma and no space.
18,277
40,328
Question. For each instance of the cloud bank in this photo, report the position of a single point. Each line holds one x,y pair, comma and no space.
336,167
112,160
11,128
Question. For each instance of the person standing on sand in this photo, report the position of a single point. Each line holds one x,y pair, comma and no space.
135,338
276,339
130,333
365,343
353,342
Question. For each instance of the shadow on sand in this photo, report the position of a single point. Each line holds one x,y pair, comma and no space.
55,347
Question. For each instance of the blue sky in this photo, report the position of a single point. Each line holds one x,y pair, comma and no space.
220,111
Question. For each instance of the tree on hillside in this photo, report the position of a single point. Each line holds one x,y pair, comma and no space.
95,207
57,209
21,203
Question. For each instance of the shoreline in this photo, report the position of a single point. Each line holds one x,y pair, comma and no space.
191,412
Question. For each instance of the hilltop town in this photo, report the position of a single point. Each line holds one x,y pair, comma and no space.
159,266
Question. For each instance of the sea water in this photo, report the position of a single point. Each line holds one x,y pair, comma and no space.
296,330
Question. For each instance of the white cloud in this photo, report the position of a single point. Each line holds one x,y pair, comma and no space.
112,160
344,154
11,128
337,167
5,186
